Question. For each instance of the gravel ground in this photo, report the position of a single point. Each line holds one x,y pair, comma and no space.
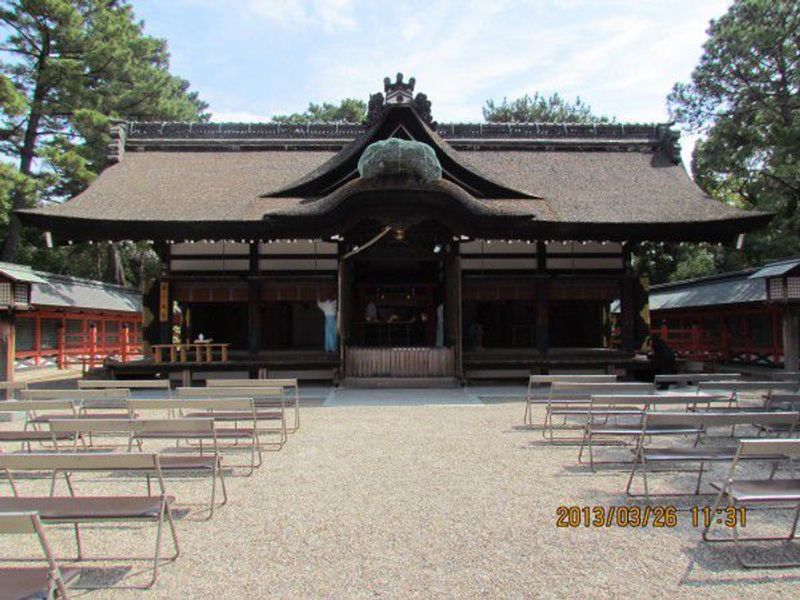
422,501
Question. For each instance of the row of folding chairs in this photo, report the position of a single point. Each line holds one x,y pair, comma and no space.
198,415
668,437
271,400
769,483
569,399
26,514
105,394
57,421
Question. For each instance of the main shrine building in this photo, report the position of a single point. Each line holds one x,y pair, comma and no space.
427,250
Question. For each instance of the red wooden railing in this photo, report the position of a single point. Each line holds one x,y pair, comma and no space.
724,342
101,336
692,343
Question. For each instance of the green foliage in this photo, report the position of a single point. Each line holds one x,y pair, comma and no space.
744,98
542,109
137,260
70,68
349,110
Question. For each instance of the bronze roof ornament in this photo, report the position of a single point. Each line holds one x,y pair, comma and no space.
400,157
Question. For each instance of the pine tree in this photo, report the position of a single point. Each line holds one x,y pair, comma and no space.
71,68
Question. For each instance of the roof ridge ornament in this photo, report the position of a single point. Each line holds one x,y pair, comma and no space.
399,92
395,93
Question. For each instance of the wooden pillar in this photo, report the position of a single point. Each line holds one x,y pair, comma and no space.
164,313
254,305
452,309
125,341
92,344
343,308
7,350
628,308
791,338
542,299
61,343
542,314
37,339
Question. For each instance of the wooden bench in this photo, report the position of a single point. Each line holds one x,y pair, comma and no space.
734,389
632,410
130,384
31,409
87,400
221,409
685,379
293,399
77,510
136,430
647,455
569,394
548,380
768,492
270,403
33,582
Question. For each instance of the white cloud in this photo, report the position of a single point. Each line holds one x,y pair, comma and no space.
331,15
620,56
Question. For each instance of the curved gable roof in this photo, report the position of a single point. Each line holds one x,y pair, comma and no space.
398,117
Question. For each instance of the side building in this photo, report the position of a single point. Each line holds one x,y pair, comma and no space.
746,317
55,320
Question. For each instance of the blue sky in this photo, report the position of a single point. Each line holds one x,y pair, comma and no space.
251,59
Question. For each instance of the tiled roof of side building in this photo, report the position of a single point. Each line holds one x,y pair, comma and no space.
64,291
735,287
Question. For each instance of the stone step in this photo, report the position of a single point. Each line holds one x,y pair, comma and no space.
400,382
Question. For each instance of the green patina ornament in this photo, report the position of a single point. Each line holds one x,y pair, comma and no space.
400,157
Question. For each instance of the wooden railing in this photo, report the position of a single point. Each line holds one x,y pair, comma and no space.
694,343
691,343
96,341
197,352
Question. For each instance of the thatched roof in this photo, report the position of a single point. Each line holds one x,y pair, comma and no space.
546,181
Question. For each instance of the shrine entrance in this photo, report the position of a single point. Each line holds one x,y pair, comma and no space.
398,318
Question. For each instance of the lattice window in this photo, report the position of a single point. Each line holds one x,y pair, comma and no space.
50,333
6,293
776,289
74,326
21,291
74,333
793,287
24,331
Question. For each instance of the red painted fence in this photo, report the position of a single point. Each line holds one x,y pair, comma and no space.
726,334
76,338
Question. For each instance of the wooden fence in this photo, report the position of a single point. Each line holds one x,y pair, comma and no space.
400,362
